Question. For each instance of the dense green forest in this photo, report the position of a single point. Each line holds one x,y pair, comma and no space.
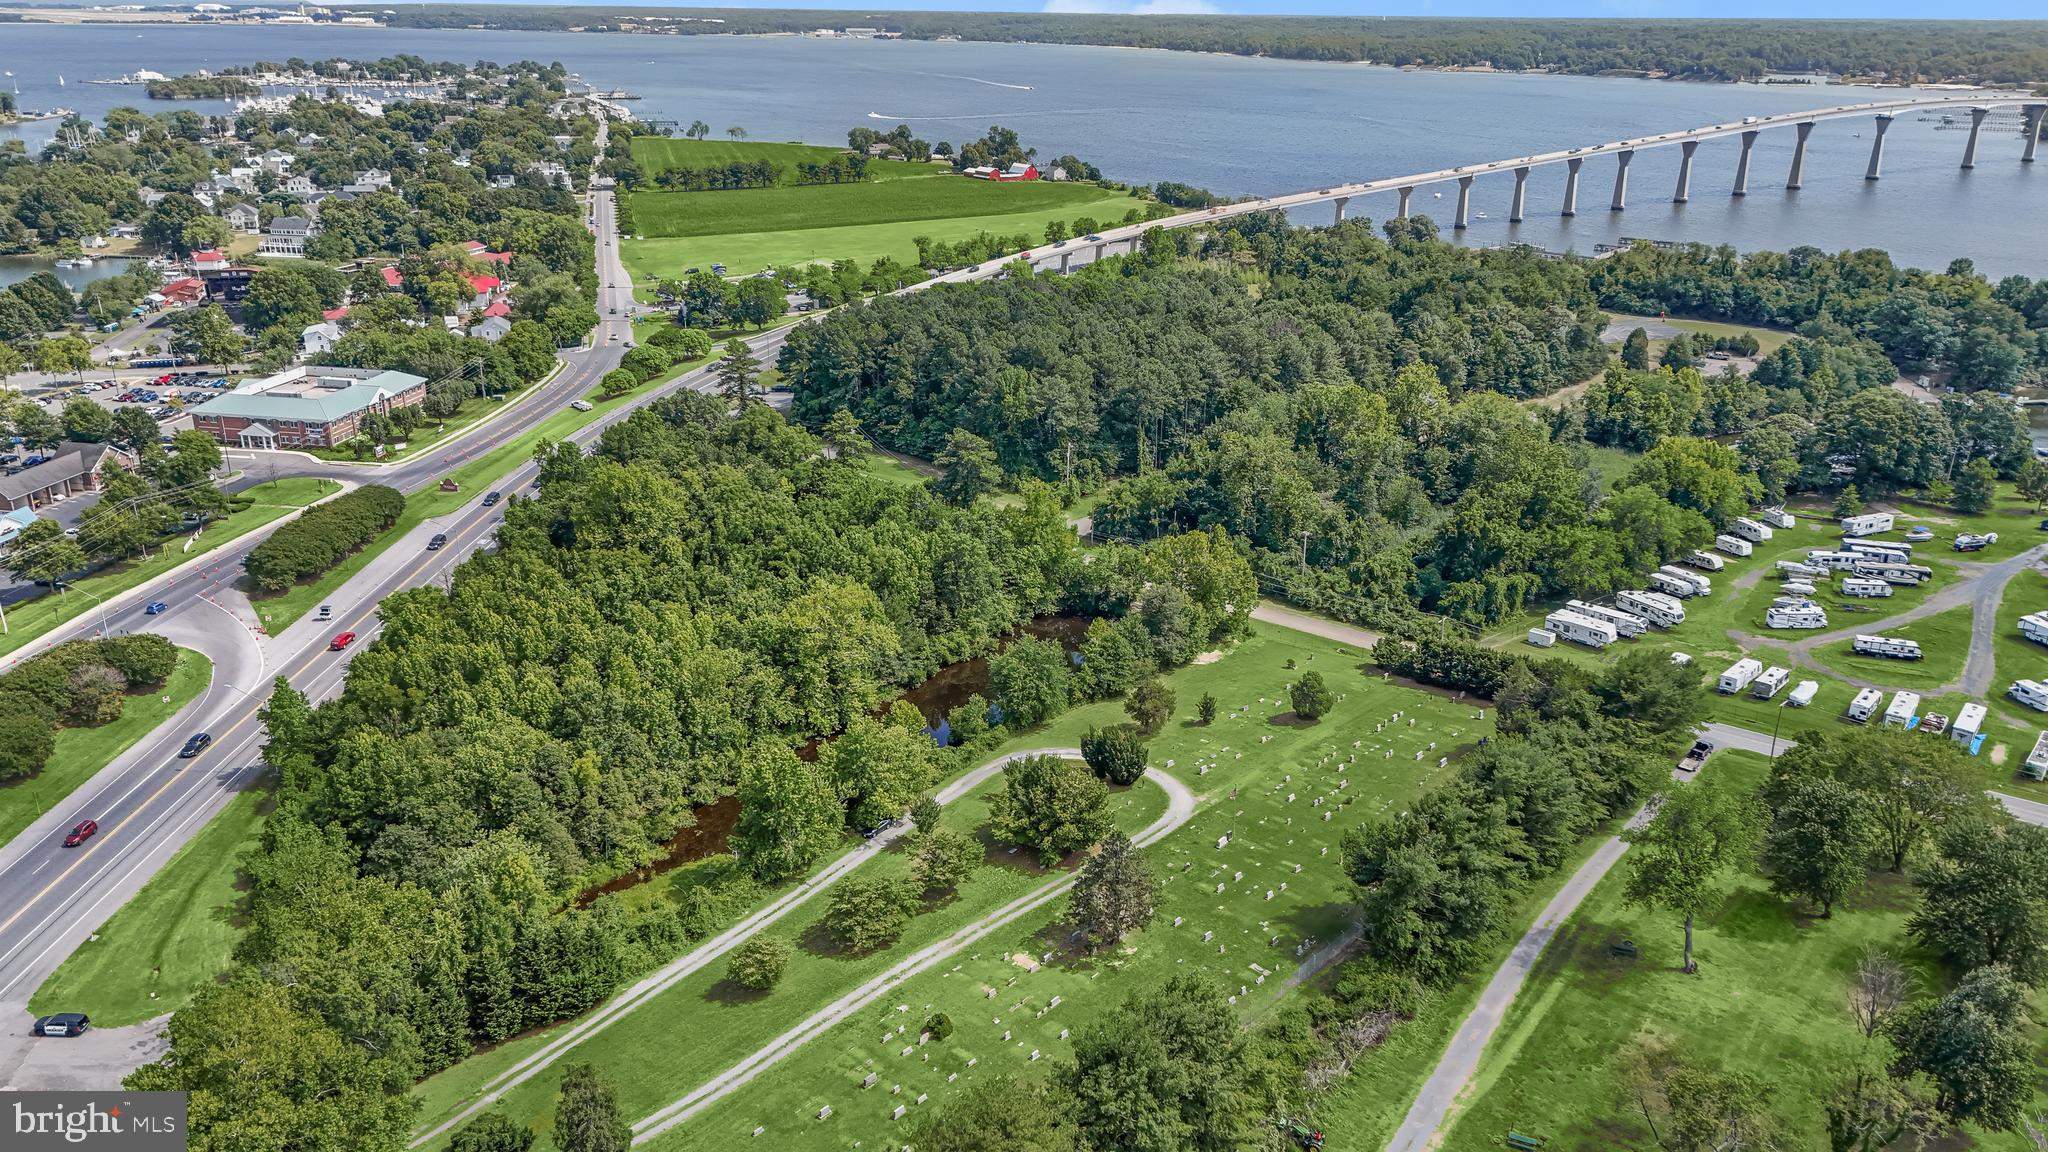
1347,403
663,625
2001,52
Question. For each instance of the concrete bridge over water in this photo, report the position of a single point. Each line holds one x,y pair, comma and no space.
1125,238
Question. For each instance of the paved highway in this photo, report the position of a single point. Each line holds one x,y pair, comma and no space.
148,802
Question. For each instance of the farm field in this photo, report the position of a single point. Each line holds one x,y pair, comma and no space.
173,935
82,752
1770,998
658,154
672,214
1252,943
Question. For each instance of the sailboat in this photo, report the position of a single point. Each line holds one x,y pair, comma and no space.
60,80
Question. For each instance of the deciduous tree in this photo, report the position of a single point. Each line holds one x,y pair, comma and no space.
587,1117
1676,861
1115,893
1052,804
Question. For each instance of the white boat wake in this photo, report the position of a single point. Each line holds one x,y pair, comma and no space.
974,80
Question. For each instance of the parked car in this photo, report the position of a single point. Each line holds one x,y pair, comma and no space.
62,1024
877,830
80,833
156,608
341,642
438,542
193,747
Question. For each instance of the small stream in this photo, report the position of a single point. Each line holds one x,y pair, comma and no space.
710,830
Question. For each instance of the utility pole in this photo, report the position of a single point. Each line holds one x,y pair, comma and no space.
1304,552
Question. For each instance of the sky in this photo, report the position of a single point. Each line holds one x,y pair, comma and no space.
1675,9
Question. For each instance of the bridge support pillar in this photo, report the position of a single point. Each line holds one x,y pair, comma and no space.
1884,121
1799,156
1403,213
1571,185
1742,165
1977,116
1521,195
1684,191
1464,202
2033,114
1066,262
1621,160
1342,202
1101,250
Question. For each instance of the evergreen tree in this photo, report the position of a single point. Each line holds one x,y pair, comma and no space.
736,372
1115,893
587,1115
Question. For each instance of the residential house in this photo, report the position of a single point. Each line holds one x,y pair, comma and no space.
486,288
72,468
183,291
503,181
276,161
150,196
369,180
319,339
242,217
209,260
14,522
491,328
297,186
305,406
550,171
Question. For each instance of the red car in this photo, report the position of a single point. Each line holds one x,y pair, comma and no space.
341,642
81,833
166,378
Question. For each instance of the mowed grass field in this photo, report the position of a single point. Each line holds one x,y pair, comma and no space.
658,154
172,937
1770,998
1254,911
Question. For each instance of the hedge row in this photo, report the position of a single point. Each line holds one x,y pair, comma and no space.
318,540
82,684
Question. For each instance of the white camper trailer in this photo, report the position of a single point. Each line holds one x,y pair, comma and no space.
1777,518
1799,588
1659,609
1733,545
1802,693
1892,572
2034,626
1541,638
1706,561
1864,706
1569,625
1750,530
1702,585
1804,615
1895,647
2032,693
1868,524
2037,760
1969,722
1887,549
1739,676
1900,712
1834,561
1625,623
1795,568
1672,586
1864,586
1770,682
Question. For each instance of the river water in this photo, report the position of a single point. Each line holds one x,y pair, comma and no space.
1235,125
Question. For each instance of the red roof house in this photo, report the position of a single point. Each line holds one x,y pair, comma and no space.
484,284
498,308
208,260
184,291
392,279
335,313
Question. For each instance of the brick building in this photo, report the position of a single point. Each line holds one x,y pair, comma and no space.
310,406
72,468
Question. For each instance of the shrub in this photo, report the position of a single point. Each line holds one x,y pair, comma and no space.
1115,753
96,695
27,741
939,1025
141,659
1310,697
758,963
322,536
867,912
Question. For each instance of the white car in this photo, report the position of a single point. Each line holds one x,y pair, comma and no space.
581,405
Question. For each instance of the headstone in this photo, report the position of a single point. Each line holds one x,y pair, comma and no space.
1208,936
870,1081
1063,1033
1176,919
909,1048
924,1038
898,1113
952,1076
973,1060
1034,1053
825,1112
921,1097
758,1131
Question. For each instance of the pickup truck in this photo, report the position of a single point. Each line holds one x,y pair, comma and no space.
1701,749
1971,542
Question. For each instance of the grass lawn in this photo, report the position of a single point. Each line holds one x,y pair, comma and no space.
29,620
2019,658
174,935
1768,339
281,611
1944,644
658,154
759,246
1769,999
82,752
1261,785
1610,464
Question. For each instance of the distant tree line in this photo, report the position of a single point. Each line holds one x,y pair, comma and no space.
720,177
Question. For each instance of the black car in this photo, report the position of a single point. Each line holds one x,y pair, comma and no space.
877,830
440,539
63,1024
193,747
491,498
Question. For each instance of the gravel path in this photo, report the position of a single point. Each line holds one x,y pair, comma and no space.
660,981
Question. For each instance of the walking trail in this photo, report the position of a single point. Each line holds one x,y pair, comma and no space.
664,978
1179,806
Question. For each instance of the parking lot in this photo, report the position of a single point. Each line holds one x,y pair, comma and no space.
163,394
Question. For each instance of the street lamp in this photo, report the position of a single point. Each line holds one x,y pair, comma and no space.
1775,721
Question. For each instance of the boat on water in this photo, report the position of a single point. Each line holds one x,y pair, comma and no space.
38,114
75,262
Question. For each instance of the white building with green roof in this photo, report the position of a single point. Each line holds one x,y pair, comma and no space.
312,406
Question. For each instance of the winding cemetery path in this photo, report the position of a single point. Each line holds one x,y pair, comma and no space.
1180,804
694,960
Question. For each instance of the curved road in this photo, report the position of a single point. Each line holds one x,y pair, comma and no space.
1180,804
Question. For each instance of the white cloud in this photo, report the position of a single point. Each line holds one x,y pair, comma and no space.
1135,7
